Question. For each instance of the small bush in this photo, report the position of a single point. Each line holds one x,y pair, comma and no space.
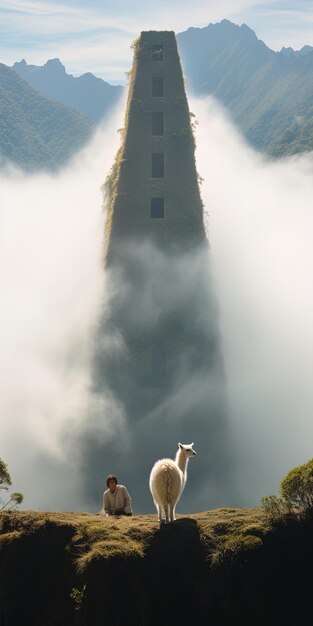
297,487
16,497
275,507
5,478
296,493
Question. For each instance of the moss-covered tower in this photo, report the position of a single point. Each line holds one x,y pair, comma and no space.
158,362
156,193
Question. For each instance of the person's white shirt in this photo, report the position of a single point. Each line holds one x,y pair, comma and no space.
117,500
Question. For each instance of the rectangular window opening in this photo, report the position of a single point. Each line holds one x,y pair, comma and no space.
157,123
157,208
157,86
157,52
157,165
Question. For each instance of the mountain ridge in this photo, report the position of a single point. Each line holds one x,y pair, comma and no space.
268,94
89,95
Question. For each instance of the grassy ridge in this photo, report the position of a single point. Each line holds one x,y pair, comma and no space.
129,536
229,567
78,568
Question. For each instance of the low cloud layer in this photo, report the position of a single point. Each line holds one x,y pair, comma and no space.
164,369
261,231
53,291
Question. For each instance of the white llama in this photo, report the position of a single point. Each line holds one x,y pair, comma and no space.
167,481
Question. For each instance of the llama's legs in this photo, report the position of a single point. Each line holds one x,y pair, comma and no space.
171,513
166,513
159,513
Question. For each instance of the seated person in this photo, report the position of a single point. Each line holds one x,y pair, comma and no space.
116,499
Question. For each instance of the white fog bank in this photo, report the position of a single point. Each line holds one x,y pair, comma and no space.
261,234
52,291
52,287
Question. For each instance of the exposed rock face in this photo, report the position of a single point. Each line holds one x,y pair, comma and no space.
158,355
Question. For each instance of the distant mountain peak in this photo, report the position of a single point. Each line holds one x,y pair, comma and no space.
89,95
232,26
22,68
224,23
288,52
225,30
55,66
248,31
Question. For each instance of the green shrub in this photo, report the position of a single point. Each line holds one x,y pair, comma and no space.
16,497
296,493
5,478
275,507
297,487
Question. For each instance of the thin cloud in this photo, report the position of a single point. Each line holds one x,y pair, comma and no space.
77,32
35,8
32,18
282,24
77,62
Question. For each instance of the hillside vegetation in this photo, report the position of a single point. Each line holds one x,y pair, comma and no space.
35,132
224,567
268,94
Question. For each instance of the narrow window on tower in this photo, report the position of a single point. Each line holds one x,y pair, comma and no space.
157,52
157,165
157,123
157,87
157,208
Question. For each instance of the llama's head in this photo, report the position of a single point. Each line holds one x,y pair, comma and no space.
187,447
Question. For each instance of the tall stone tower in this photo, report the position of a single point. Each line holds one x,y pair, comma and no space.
158,360
155,183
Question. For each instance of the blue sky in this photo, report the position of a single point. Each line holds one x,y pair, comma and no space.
95,35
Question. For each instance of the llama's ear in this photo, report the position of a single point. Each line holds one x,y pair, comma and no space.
193,443
180,445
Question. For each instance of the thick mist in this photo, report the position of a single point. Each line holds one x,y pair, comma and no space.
260,226
54,290
164,371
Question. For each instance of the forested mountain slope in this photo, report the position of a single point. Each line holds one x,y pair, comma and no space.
268,94
35,132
